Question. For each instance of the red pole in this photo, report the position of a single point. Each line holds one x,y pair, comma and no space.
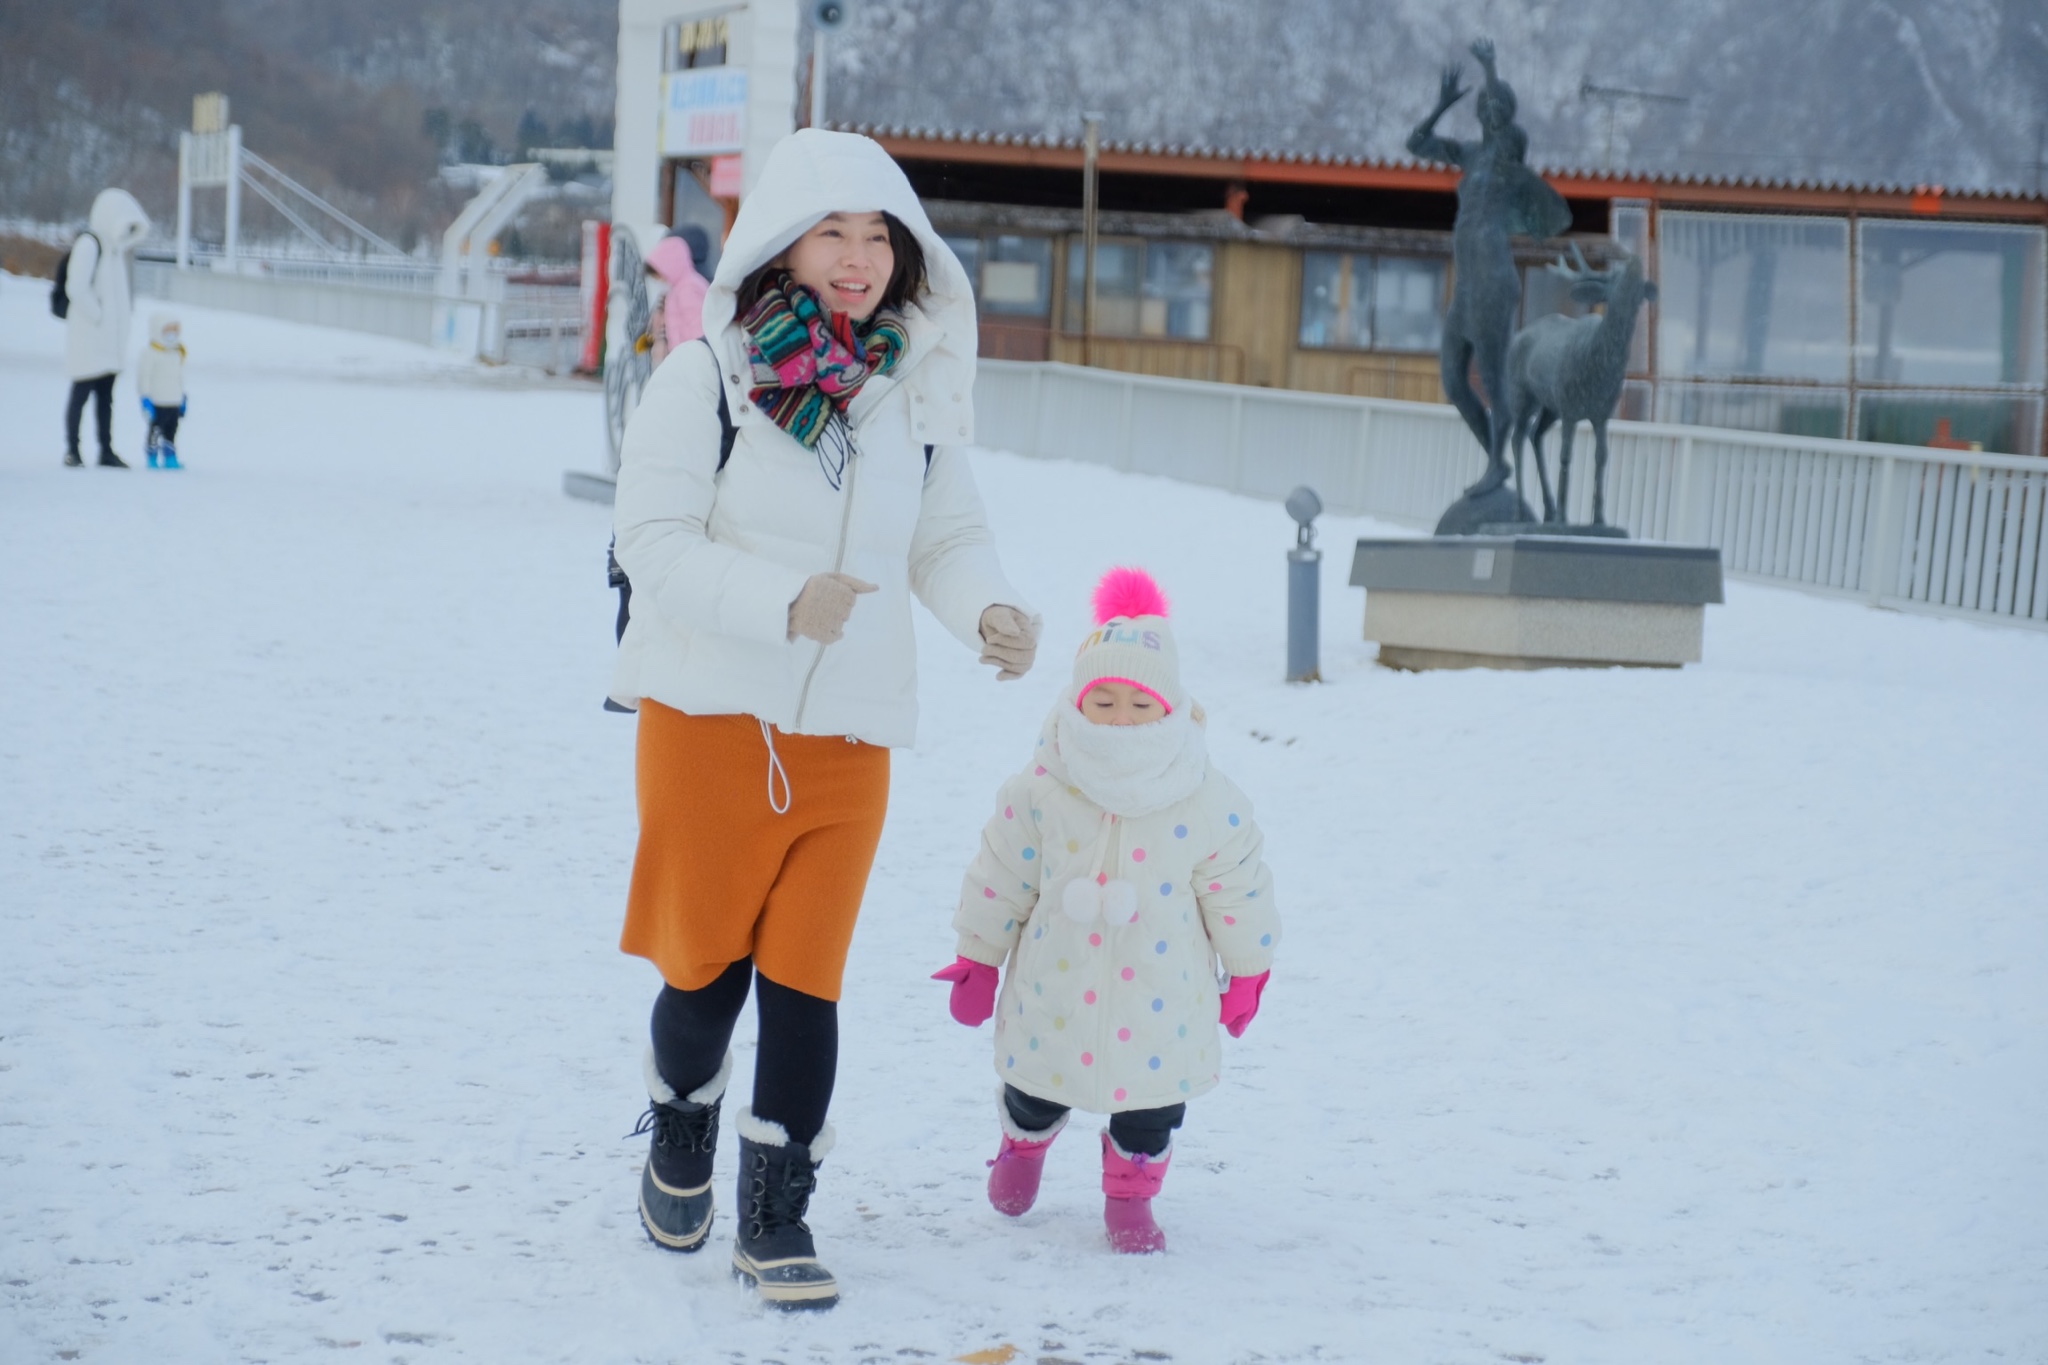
597,278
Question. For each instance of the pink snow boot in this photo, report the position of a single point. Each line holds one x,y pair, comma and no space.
1130,1180
1013,1175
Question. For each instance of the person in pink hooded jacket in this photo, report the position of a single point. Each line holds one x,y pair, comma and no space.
682,311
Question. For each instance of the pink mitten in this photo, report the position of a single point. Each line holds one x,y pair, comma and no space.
1241,1002
974,990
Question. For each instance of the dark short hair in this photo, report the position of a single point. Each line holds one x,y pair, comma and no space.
907,280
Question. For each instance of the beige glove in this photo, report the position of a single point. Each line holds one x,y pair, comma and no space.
820,610
1009,640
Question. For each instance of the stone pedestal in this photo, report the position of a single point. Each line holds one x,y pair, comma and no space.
1532,601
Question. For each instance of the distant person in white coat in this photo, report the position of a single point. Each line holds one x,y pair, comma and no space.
160,375
96,281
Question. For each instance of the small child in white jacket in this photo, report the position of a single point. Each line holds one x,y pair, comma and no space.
160,375
1119,868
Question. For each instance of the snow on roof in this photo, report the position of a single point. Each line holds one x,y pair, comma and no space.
1833,94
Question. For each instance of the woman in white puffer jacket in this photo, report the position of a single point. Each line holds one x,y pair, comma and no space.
1119,869
96,281
771,656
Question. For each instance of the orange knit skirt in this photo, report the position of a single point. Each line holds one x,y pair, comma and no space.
721,875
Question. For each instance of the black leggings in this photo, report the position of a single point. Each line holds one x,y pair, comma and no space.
1135,1130
166,421
100,388
794,1065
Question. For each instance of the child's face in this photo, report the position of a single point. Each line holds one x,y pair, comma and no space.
1120,703
846,260
171,335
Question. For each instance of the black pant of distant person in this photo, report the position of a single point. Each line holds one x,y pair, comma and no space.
164,424
100,388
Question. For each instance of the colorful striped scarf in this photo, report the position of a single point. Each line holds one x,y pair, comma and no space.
808,364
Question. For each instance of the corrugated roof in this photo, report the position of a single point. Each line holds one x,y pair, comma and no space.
1849,95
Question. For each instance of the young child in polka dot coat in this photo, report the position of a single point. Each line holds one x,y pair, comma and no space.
1119,869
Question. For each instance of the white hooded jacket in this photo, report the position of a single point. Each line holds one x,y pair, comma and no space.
96,280
716,557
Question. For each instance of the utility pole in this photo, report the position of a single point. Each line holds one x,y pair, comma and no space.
1612,95
1091,150
818,77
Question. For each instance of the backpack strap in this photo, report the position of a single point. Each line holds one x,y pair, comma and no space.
727,432
99,250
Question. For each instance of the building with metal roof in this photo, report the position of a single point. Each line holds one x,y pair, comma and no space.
1842,201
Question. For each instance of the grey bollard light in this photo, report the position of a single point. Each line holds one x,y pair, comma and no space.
1304,576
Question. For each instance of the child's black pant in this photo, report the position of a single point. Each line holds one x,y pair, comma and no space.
1135,1130
794,1065
100,388
165,424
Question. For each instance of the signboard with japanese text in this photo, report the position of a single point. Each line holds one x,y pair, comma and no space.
703,111
694,44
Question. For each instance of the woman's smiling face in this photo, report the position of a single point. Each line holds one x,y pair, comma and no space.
846,260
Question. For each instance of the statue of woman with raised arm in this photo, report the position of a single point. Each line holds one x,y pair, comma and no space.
1498,195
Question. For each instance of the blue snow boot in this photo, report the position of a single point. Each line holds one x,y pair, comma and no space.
774,1251
170,456
675,1184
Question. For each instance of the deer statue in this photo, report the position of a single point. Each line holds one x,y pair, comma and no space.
1569,370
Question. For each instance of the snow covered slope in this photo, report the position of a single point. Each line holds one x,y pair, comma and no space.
1622,1017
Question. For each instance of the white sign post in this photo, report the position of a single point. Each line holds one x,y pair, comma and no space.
210,157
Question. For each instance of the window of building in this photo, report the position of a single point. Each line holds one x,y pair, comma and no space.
1011,273
968,249
1752,297
1948,303
2005,424
1791,410
1631,229
1544,292
1358,301
1016,275
1143,289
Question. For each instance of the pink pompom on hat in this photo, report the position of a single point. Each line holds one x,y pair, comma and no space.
1132,641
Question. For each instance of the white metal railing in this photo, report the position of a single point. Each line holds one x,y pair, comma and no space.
538,325
329,301
1953,532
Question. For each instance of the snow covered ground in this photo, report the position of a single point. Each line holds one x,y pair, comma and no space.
1622,1016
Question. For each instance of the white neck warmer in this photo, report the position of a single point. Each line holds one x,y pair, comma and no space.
1131,770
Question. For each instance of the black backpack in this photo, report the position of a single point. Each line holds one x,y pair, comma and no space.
60,290
616,576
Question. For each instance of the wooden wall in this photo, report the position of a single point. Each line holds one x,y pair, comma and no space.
1254,326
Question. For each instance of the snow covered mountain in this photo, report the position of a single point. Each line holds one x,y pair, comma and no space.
1903,92
359,101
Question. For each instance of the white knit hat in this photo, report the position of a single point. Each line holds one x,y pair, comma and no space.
1132,642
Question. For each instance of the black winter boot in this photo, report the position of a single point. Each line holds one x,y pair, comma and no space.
675,1185
774,1250
109,460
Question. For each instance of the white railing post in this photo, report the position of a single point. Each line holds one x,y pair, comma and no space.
1128,457
1234,451
1037,444
1881,539
1361,478
1681,506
